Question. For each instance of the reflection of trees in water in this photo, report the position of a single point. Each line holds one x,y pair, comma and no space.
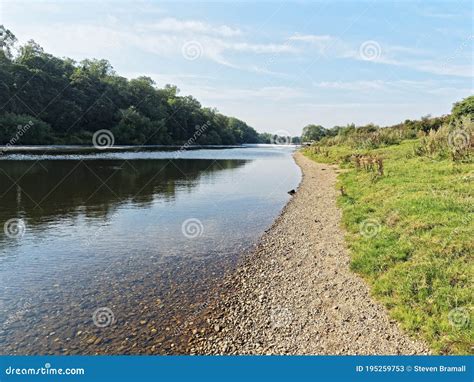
39,191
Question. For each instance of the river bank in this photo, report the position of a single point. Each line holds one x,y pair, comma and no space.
295,294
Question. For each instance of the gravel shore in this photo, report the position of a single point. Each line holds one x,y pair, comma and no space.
295,294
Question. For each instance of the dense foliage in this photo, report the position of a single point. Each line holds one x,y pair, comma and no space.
313,133
65,102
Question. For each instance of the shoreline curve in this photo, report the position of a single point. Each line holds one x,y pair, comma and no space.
295,294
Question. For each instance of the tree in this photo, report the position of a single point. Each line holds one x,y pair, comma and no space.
137,129
463,108
313,133
23,130
7,42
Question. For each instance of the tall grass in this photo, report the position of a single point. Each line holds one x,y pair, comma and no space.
455,140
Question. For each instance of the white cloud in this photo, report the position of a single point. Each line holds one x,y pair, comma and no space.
311,38
170,78
319,42
190,26
434,66
166,37
210,94
398,86
351,85
259,48
412,58
442,68
441,15
388,54
273,93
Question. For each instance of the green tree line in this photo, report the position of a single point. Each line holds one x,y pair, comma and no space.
65,102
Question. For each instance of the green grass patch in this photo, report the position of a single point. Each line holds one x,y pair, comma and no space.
410,233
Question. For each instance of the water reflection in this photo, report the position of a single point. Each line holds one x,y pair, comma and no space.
42,190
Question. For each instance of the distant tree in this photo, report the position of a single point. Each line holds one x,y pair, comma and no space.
370,128
7,42
265,138
296,140
313,133
463,108
332,132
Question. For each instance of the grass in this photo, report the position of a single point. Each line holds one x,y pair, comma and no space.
410,233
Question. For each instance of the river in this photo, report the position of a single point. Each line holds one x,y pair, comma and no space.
117,252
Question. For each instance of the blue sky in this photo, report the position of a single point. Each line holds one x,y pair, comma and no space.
276,65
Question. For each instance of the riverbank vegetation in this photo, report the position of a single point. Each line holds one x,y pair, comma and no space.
65,102
409,218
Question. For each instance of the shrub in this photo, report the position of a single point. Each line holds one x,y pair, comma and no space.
23,130
454,140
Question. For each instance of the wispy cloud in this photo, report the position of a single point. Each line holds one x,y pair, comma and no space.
165,37
311,38
243,95
440,15
259,48
386,85
411,58
381,52
190,26
351,85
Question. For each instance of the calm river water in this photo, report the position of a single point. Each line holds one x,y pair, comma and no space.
116,252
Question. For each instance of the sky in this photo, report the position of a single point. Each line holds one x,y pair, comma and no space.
277,65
